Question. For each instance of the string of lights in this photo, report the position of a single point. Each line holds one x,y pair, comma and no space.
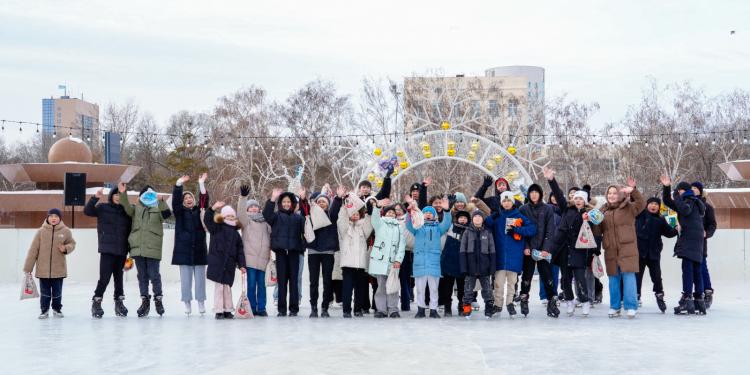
734,135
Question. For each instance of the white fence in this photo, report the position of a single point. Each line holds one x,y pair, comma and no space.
729,260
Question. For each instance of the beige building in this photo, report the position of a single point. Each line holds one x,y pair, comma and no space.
507,100
70,116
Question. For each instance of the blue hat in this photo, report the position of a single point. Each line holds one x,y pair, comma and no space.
698,185
431,210
460,197
54,211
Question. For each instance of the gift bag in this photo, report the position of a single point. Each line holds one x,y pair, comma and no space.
309,230
271,277
28,287
585,237
318,217
596,267
243,304
393,284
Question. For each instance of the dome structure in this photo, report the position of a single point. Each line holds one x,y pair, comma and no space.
69,149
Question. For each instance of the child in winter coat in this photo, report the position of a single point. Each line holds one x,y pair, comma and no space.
450,264
256,236
354,228
287,228
650,226
51,245
190,248
225,254
387,252
405,272
510,229
145,240
478,262
427,248
689,246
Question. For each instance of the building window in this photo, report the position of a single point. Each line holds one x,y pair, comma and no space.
476,109
493,109
513,108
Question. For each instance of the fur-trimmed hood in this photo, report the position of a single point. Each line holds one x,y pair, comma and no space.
219,219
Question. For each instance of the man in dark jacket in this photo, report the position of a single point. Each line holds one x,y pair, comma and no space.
113,228
544,217
689,247
287,228
190,248
320,253
650,226
709,227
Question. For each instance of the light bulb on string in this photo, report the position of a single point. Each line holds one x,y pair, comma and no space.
696,142
645,143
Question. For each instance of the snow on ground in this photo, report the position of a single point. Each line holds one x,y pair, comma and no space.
176,344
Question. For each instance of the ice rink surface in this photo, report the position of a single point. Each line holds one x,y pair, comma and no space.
652,343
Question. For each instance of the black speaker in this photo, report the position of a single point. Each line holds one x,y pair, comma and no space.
75,189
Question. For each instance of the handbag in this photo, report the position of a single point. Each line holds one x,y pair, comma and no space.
596,267
393,284
309,230
585,237
243,304
318,217
28,288
271,277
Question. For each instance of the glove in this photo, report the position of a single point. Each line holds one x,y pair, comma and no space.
389,171
487,181
244,190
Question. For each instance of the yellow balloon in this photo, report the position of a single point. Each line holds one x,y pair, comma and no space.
511,150
380,182
518,197
428,154
472,155
395,171
475,146
490,164
378,151
404,165
512,176
371,176
498,158
445,125
425,146
451,145
401,153
451,152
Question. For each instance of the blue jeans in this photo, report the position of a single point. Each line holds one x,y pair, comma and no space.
630,290
691,275
256,289
50,290
555,280
706,276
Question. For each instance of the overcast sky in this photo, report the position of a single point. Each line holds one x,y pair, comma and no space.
183,55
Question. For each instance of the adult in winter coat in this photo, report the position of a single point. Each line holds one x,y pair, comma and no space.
650,226
287,228
112,228
572,261
225,255
543,215
477,261
501,186
256,237
145,241
320,253
51,245
427,247
387,253
689,246
621,245
354,228
709,227
510,228
190,242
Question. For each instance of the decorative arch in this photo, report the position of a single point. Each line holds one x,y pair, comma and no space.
476,150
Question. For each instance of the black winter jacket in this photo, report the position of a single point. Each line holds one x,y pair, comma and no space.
226,252
287,226
327,238
112,225
565,253
189,236
650,228
690,211
543,216
709,225
478,254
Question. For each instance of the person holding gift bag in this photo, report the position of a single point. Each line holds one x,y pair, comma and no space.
51,245
620,244
225,254
567,251
387,253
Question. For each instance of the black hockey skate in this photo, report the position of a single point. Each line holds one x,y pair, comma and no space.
96,308
145,306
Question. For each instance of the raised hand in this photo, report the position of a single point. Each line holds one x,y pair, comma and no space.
183,179
549,173
408,199
627,189
384,202
122,187
445,203
427,181
487,181
302,192
631,182
203,177
244,190
341,191
275,193
100,193
474,200
665,180
217,205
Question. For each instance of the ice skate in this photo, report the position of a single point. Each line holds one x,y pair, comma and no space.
96,308
145,306
660,302
586,309
525,304
159,305
120,309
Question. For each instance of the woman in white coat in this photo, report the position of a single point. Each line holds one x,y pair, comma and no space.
354,227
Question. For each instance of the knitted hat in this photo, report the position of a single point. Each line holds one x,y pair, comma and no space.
415,186
501,180
506,195
698,185
460,197
54,211
653,200
477,212
581,194
228,211
252,203
462,214
323,196
430,210
683,186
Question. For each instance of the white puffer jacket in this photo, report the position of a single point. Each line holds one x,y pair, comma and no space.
353,240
